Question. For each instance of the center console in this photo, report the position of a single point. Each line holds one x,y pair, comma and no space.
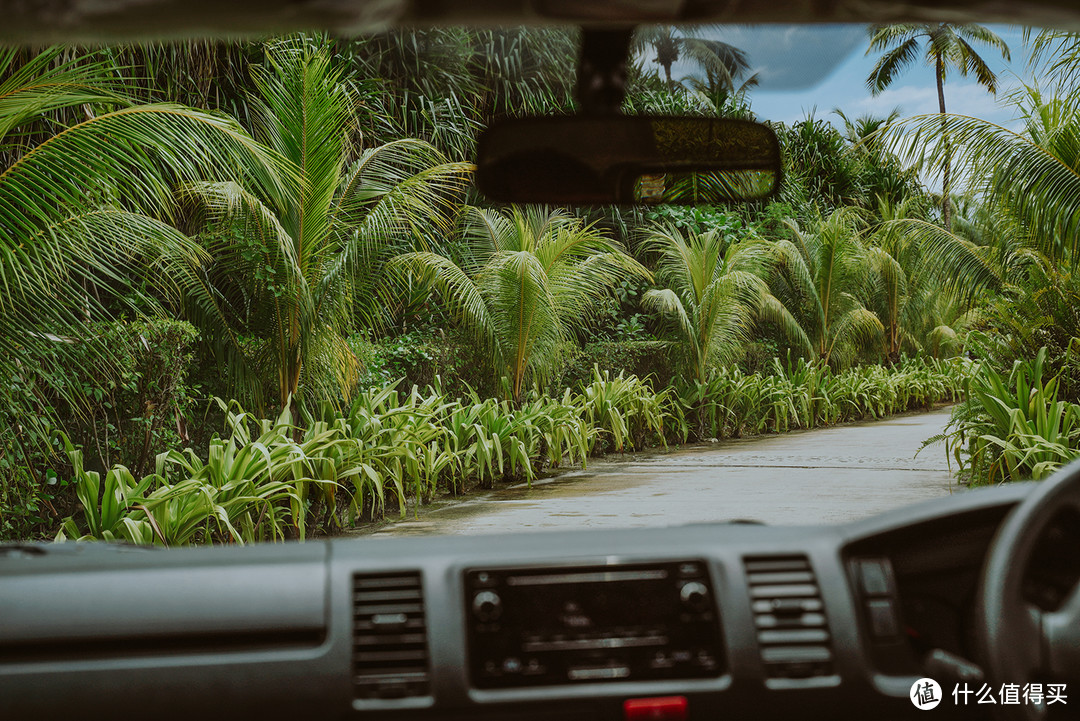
540,626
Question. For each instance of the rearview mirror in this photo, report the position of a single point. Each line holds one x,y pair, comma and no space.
601,160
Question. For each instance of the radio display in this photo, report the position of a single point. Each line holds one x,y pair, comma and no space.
565,625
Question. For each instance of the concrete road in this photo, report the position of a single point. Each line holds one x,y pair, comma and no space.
820,476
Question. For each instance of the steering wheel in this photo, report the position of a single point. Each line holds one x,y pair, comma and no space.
1020,642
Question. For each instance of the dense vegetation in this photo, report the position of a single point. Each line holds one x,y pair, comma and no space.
250,294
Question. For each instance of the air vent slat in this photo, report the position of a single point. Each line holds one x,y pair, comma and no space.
390,653
386,582
784,591
367,609
394,594
793,631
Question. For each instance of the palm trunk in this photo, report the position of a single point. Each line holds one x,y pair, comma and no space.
945,209
289,383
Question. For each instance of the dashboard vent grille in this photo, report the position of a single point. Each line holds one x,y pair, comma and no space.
390,652
792,630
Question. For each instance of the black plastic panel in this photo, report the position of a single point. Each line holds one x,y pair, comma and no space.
544,626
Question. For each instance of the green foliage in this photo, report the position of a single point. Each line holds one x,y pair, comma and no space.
308,262
699,219
533,278
816,163
85,211
271,480
131,407
654,360
822,280
141,401
1013,426
443,85
624,411
29,506
419,357
250,488
714,293
806,395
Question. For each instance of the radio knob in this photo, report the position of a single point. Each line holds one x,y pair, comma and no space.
487,606
695,595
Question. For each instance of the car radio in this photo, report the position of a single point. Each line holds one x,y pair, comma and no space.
564,625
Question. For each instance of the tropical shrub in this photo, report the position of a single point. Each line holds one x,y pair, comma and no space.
1013,426
86,209
624,411
805,394
654,360
248,489
271,480
295,268
714,293
134,405
822,276
532,277
419,357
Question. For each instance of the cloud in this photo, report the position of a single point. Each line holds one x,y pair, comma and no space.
786,57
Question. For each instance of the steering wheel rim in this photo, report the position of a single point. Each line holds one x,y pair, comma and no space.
1021,643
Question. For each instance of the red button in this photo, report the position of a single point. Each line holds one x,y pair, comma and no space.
664,708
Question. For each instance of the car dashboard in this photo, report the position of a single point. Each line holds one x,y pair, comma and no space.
699,621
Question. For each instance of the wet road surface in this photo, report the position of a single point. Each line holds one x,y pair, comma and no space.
820,476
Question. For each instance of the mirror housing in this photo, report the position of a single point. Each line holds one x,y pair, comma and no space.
618,159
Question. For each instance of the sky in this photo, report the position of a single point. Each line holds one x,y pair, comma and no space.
818,68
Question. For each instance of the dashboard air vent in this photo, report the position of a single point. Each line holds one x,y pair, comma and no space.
789,614
390,653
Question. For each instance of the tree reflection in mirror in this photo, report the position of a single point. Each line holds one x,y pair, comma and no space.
628,160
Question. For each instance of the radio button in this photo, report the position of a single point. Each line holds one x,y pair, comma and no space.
487,606
511,664
666,708
483,579
661,660
695,595
690,570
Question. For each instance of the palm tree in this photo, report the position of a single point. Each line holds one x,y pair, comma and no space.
1055,55
866,132
823,277
1029,176
715,293
721,63
909,292
948,46
533,277
294,268
85,212
444,85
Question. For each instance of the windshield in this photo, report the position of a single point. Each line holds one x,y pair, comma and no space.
251,293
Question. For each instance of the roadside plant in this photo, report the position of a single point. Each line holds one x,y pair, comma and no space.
1013,426
295,267
822,277
714,293
87,211
532,279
